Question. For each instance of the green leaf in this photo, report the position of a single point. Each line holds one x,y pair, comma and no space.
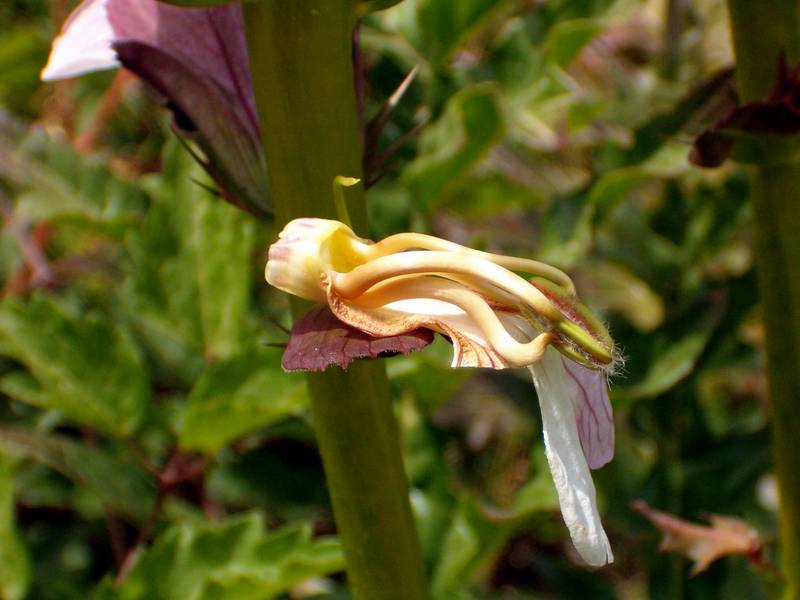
671,364
22,53
189,294
470,126
120,484
610,286
14,562
613,187
470,541
567,39
83,367
446,25
475,536
54,182
234,559
539,493
239,396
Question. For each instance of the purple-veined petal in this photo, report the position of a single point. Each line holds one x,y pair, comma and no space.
319,340
211,41
208,40
233,157
571,476
197,59
589,392
84,44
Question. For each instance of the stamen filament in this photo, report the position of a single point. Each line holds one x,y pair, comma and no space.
515,353
354,283
407,241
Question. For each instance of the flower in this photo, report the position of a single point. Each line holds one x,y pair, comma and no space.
493,316
196,59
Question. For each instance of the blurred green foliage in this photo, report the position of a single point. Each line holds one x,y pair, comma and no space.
148,432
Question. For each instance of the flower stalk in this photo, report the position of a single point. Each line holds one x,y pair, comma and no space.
301,60
762,33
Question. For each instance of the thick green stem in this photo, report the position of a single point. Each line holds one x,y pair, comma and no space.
301,60
762,31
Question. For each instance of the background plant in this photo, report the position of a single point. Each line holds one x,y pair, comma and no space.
144,408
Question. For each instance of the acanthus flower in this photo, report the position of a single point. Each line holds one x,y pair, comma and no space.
494,317
196,58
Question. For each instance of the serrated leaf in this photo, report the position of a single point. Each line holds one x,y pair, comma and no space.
84,368
239,396
120,484
234,559
702,543
189,293
54,182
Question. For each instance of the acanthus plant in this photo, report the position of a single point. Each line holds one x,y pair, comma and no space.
197,59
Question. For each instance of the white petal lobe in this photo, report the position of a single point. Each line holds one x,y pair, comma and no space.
570,472
84,44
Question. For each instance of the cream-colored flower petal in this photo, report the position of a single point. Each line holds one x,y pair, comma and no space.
84,44
357,281
306,250
479,335
571,476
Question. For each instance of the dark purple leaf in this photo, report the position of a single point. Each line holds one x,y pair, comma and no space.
777,114
319,340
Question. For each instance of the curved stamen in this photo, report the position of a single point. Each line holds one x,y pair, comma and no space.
487,290
515,353
354,283
407,241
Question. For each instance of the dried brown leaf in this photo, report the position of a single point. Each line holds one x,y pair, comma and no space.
703,543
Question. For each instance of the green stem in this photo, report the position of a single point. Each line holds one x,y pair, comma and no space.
301,60
762,31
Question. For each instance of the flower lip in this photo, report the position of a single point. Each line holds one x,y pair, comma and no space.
568,466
